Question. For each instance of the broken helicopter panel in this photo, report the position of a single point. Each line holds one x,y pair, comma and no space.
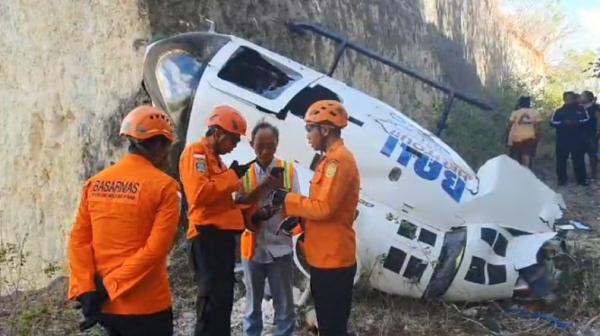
427,225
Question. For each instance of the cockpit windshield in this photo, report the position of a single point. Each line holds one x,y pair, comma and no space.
174,67
178,74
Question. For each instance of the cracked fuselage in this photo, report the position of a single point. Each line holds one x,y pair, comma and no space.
409,231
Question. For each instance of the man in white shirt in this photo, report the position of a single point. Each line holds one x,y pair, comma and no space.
267,255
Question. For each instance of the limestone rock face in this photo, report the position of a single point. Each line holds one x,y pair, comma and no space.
70,70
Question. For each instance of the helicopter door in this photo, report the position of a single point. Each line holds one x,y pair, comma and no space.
267,81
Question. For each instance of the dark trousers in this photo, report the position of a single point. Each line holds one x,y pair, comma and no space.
592,152
157,324
332,292
576,151
213,259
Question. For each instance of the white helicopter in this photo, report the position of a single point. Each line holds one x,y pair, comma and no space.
428,226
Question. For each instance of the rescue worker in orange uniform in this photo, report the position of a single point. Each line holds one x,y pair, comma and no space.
125,227
328,214
214,219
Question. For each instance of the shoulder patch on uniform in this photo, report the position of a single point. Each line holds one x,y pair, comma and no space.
200,163
331,169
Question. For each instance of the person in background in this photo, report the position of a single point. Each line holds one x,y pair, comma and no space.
523,132
592,130
569,121
267,255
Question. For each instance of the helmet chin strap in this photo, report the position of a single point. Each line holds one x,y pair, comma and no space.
324,138
218,140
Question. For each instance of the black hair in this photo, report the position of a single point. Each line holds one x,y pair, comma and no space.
265,125
135,146
567,94
588,94
336,131
524,102
333,128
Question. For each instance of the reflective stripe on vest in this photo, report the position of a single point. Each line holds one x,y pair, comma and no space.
249,181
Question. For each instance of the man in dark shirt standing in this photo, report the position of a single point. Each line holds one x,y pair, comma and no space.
588,101
569,121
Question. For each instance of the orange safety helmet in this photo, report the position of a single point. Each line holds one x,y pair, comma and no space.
145,122
228,119
327,110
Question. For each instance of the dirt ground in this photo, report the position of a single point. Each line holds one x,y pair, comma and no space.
45,312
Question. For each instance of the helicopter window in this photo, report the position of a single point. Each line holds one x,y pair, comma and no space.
306,97
427,237
488,235
178,74
414,269
250,70
476,271
496,274
407,229
445,269
394,260
500,245
517,233
496,240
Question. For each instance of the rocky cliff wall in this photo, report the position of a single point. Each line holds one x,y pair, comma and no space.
68,71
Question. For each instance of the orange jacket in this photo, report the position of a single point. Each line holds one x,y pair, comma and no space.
208,186
330,209
125,227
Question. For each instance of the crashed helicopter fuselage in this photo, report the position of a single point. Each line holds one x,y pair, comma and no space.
427,224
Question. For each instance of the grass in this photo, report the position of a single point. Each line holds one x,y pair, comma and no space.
44,312
377,313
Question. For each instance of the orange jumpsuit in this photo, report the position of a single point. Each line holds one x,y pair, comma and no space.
330,209
125,228
214,221
208,186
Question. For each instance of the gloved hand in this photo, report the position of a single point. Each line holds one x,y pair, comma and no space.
91,305
240,170
287,225
278,197
90,308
